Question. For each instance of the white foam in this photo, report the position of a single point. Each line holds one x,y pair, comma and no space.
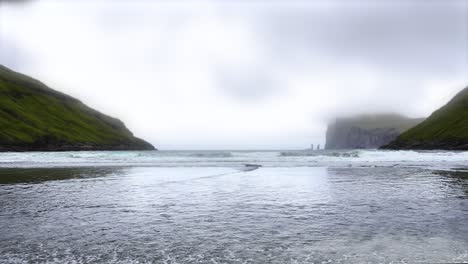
360,158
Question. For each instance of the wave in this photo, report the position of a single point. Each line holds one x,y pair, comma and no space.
134,154
339,154
221,154
289,158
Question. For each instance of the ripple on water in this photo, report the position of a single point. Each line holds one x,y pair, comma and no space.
224,215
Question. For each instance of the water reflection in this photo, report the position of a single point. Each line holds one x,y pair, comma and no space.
38,175
226,215
457,178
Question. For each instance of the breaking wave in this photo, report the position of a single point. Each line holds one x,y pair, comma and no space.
344,154
298,158
211,155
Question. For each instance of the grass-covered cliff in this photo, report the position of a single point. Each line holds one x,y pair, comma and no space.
367,131
34,117
446,128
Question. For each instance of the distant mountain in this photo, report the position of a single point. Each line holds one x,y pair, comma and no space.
34,117
446,128
367,131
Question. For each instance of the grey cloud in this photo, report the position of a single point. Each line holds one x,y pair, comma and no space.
249,83
403,36
405,42
15,1
401,43
406,39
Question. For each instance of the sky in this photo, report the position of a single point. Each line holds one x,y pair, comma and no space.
241,74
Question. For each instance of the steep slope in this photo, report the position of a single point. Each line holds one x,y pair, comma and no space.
446,128
34,117
367,131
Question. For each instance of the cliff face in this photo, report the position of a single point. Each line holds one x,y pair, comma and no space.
34,117
366,132
446,128
349,137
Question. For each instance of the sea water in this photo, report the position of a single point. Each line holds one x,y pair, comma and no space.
209,207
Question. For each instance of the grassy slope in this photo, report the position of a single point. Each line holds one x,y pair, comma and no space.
31,113
445,128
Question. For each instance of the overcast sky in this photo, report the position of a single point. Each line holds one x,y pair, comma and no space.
241,74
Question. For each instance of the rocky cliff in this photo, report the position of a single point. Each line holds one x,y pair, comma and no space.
446,128
34,117
367,131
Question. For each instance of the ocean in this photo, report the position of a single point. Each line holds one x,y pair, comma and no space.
286,206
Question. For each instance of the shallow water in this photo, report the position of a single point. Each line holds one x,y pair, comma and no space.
218,214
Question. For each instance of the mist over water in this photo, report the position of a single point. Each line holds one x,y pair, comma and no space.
146,207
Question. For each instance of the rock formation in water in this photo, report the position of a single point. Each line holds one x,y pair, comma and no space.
367,131
34,117
445,129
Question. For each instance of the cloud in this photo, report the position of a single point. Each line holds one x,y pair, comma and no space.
415,36
224,74
14,1
247,82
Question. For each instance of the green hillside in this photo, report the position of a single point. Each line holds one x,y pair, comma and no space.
446,128
35,117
